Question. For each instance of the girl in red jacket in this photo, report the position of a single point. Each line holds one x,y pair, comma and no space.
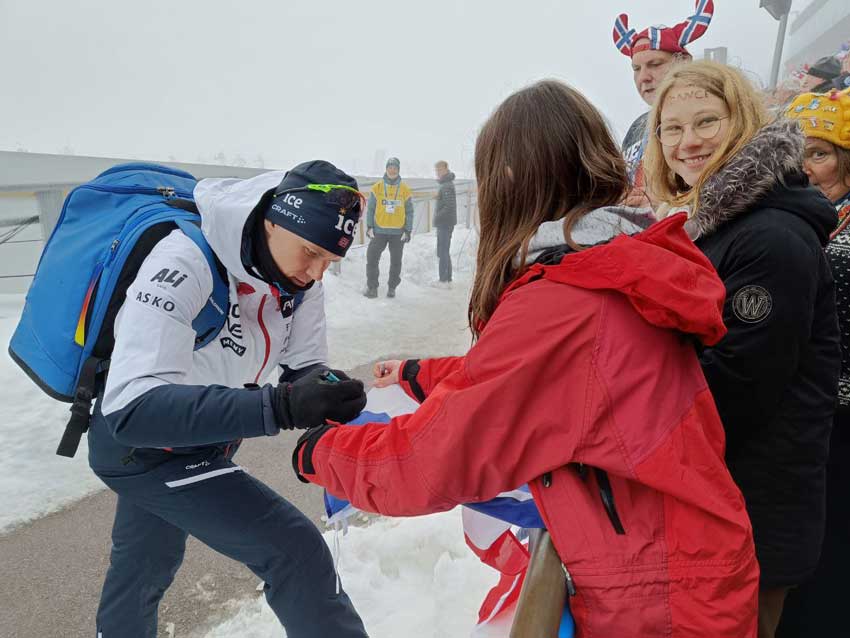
583,382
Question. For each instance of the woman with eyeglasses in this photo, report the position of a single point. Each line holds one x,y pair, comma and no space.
816,607
774,375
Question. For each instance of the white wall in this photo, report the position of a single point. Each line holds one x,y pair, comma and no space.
19,255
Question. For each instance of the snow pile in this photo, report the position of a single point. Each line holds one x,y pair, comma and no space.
35,480
406,577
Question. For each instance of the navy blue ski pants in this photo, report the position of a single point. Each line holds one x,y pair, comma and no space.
208,496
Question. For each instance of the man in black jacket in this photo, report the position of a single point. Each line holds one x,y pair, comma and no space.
445,218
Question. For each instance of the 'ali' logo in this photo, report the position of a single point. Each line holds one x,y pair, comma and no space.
168,276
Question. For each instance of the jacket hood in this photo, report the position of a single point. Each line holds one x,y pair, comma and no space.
598,226
448,177
225,205
765,174
666,278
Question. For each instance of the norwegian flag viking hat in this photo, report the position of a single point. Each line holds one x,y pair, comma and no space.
670,39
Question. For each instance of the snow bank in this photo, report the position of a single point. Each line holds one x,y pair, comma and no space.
35,480
406,577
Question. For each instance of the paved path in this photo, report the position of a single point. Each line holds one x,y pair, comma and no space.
52,569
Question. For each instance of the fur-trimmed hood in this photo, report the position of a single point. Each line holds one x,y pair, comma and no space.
766,173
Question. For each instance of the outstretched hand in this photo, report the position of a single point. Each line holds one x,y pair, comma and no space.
387,372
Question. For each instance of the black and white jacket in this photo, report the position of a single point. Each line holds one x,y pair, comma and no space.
160,391
775,375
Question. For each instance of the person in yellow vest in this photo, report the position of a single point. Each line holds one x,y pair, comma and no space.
389,222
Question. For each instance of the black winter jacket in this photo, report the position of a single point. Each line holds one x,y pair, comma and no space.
774,376
445,213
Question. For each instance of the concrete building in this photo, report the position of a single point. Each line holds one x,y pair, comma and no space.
818,30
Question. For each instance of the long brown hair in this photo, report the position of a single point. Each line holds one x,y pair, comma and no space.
545,154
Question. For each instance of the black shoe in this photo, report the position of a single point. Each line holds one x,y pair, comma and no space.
390,292
371,293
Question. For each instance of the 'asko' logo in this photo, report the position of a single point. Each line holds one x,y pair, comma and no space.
169,276
752,304
156,302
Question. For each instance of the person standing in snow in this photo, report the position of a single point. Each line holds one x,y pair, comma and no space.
653,52
389,222
169,420
775,374
445,218
583,382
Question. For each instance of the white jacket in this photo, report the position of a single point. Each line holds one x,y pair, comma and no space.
154,339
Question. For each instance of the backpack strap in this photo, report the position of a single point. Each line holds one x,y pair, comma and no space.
207,325
80,409
213,315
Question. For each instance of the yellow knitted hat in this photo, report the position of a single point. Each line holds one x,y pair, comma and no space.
824,115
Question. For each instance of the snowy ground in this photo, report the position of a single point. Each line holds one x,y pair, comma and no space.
407,577
35,481
421,320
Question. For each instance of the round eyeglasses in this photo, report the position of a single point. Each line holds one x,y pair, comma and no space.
705,127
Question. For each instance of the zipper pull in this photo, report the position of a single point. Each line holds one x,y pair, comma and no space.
547,479
166,191
571,586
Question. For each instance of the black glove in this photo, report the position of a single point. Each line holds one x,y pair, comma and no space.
318,395
405,237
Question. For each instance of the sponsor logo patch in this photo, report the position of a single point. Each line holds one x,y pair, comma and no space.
169,276
227,342
156,302
752,304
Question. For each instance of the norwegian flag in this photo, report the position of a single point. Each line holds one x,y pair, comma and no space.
623,36
487,527
695,26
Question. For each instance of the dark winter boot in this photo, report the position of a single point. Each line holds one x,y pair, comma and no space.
390,293
371,293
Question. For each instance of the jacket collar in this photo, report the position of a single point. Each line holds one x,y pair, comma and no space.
774,152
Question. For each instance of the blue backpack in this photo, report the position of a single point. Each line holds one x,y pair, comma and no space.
107,227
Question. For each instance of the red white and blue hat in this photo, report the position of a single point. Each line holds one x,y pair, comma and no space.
670,39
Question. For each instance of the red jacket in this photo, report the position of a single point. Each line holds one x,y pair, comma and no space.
589,362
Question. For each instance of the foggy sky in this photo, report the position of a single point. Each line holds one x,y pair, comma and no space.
290,80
